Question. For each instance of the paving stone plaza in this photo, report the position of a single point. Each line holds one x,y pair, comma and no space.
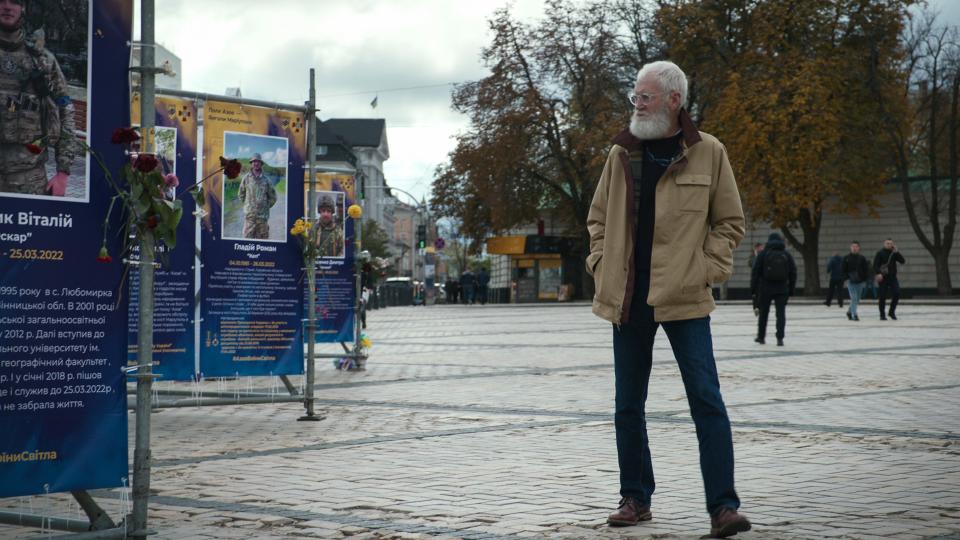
496,422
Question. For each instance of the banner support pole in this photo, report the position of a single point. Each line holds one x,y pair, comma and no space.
141,452
311,270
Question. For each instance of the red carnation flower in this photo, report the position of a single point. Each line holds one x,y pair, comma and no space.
146,163
34,148
104,255
231,167
124,136
233,170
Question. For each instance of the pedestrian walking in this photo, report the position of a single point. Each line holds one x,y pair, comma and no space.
773,279
835,270
856,273
885,276
456,291
468,287
448,291
653,261
483,284
757,248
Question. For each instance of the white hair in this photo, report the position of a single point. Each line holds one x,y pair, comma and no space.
670,76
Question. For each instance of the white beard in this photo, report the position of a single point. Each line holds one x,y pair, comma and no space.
655,126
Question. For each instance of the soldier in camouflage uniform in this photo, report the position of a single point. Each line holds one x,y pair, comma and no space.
258,197
35,110
330,236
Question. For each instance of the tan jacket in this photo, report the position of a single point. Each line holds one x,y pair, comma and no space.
698,223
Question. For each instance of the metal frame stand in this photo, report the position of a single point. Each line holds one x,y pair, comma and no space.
144,376
289,385
311,270
99,525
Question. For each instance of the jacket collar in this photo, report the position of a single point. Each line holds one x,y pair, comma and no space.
691,135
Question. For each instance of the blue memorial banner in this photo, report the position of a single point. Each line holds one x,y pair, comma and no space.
336,283
252,305
63,400
174,353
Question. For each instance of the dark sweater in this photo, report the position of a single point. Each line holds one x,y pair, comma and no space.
647,169
855,266
885,255
835,268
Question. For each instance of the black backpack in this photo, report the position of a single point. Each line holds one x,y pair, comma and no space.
776,265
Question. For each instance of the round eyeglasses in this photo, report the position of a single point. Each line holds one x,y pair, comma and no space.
642,97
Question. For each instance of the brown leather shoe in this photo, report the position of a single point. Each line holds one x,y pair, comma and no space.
629,512
727,522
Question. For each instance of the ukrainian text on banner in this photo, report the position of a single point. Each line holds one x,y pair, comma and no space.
63,395
251,304
175,283
336,284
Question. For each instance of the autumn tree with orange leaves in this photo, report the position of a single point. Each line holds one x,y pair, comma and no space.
784,85
541,122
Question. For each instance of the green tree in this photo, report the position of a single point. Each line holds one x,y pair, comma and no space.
784,85
375,240
541,122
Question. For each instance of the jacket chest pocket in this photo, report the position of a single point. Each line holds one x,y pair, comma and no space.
692,193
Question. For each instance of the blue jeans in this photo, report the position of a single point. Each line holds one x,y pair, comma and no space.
856,291
633,357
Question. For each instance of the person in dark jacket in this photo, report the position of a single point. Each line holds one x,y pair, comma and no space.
468,287
773,279
885,274
856,272
483,284
757,248
835,269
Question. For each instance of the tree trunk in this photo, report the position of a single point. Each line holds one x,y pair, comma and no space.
811,267
809,249
944,285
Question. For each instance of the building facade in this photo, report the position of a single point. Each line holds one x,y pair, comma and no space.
163,57
366,140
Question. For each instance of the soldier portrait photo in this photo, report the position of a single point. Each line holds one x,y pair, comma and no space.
40,79
330,221
255,203
257,196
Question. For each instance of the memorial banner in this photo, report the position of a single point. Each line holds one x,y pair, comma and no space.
336,283
63,400
251,307
175,289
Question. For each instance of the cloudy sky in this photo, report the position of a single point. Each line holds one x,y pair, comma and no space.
404,53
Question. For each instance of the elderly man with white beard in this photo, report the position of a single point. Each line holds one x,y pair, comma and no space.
663,225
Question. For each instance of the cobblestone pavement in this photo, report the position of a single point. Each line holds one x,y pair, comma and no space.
495,422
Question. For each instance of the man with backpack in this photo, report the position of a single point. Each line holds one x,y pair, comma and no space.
773,279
